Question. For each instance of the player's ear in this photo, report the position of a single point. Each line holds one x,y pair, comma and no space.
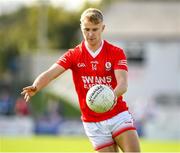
81,26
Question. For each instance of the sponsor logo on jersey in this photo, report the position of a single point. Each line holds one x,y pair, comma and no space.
81,65
90,81
94,65
108,66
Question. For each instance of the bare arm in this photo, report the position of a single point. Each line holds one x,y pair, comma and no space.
122,82
42,80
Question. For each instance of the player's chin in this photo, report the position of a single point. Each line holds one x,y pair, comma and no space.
92,42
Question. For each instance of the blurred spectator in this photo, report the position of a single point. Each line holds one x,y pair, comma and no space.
50,121
21,107
143,110
6,102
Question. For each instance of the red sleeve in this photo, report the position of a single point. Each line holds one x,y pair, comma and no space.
66,59
120,60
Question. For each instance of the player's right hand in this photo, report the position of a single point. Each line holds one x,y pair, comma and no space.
28,92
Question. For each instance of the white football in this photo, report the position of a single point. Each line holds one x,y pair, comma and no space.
100,98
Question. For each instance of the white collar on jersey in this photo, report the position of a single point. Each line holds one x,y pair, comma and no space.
94,53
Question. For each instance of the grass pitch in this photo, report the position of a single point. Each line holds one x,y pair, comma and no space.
72,144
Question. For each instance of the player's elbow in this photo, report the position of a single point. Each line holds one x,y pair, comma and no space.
125,88
121,89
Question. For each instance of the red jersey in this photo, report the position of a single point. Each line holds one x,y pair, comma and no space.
88,71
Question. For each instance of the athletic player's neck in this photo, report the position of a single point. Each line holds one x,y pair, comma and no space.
95,47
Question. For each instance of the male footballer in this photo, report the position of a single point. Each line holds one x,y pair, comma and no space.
96,61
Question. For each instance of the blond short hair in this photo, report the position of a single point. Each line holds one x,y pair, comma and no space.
93,15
